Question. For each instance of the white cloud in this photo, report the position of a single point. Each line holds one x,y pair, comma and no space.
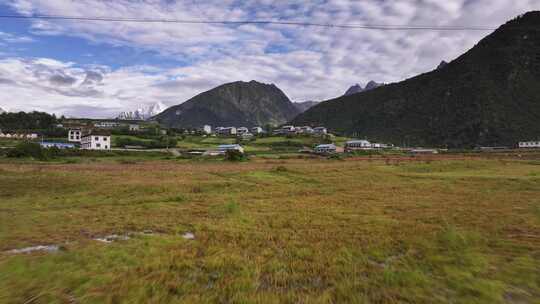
308,63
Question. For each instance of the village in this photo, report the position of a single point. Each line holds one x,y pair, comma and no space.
143,136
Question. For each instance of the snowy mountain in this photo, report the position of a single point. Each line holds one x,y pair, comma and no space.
143,113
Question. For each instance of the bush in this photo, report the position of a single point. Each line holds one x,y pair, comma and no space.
28,149
234,155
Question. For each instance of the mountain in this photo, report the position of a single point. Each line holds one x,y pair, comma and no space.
354,89
304,106
488,96
238,104
358,88
442,65
2,111
372,85
143,113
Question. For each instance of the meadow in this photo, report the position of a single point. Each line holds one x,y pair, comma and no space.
357,230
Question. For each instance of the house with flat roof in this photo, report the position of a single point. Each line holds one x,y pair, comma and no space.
354,145
96,140
325,149
529,144
226,131
320,130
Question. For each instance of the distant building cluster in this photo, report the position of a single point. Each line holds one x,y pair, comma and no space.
241,132
307,130
19,135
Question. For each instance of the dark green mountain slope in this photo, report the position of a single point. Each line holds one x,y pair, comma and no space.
488,96
234,104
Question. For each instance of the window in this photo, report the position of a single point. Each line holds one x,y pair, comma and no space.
71,136
97,138
104,138
98,145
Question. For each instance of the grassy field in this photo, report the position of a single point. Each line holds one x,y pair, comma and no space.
272,231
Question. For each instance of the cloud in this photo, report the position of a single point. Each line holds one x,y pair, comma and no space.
308,63
10,38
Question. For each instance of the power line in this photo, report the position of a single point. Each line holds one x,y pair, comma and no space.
256,22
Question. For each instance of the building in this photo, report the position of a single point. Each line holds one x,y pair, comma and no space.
241,130
96,140
207,129
134,127
228,131
353,145
325,149
106,124
320,130
381,146
74,135
306,130
48,145
529,144
19,135
257,130
246,136
224,148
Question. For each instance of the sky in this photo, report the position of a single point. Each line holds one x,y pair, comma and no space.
98,69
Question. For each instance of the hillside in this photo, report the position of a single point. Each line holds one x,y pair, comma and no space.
234,104
488,96
306,105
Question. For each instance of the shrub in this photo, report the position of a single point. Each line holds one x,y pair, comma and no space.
234,155
28,149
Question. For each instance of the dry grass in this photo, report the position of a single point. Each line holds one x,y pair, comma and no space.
283,231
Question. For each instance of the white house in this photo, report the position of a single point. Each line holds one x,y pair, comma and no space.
226,131
353,145
241,130
96,141
320,130
529,144
207,129
325,149
134,127
224,148
306,130
257,130
246,136
74,135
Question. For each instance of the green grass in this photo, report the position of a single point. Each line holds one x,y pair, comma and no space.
272,231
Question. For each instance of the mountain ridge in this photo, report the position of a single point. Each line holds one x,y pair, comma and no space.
356,88
143,113
232,104
490,95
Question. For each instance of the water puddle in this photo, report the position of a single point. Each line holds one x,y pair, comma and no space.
188,236
44,248
112,238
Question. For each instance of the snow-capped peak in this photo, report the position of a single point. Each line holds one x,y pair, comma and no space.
144,112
